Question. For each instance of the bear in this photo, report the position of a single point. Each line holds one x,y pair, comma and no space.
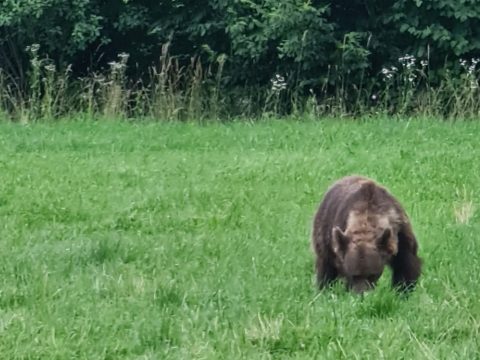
358,230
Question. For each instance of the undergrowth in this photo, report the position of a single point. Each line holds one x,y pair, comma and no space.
174,90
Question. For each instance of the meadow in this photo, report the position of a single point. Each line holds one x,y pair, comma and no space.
183,241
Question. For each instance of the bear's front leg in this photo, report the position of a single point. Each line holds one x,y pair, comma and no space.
406,265
326,272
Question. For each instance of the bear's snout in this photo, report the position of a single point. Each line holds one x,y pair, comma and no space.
361,286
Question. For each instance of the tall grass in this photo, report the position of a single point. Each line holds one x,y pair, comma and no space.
176,90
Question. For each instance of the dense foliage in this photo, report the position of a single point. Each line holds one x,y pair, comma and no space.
316,45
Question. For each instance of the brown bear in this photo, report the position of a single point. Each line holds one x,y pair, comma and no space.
360,228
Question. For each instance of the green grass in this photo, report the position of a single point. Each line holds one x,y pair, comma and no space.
180,241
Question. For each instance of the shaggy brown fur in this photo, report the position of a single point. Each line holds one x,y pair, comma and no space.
360,228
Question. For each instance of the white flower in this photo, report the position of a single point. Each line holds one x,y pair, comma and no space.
115,65
469,67
278,83
33,48
50,68
408,61
388,73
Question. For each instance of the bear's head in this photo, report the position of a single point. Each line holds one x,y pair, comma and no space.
363,254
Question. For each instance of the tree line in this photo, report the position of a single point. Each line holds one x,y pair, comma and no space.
315,46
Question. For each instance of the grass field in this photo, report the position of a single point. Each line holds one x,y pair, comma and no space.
180,241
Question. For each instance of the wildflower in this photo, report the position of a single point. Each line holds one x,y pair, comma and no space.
388,73
116,65
469,67
123,58
50,68
278,83
33,48
424,63
407,61
473,65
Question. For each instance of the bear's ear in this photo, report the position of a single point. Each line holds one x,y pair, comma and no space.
387,242
339,241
